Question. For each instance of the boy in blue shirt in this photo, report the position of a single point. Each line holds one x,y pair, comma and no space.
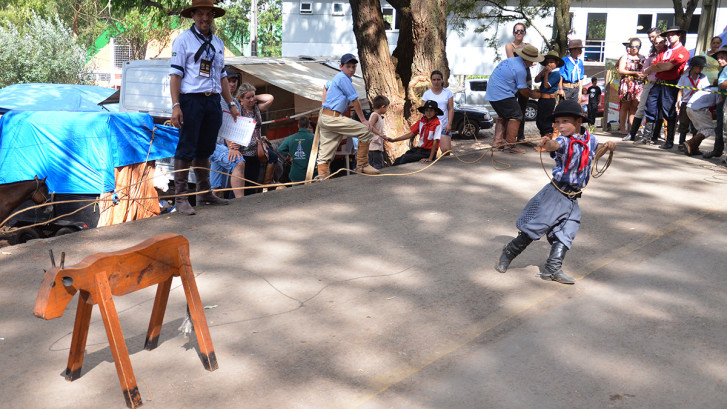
338,94
554,211
549,79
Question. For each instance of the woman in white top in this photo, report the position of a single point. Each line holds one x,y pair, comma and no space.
445,101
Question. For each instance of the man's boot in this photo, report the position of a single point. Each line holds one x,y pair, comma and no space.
269,173
553,266
511,136
202,173
362,160
499,139
648,133
692,145
670,126
323,171
181,203
657,130
634,129
511,250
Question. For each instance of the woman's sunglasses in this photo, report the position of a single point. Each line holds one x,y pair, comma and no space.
518,31
638,47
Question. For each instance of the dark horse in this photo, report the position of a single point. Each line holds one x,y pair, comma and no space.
14,194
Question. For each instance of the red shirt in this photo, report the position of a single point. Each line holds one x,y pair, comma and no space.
678,56
428,130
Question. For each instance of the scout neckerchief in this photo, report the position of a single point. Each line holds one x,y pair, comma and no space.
584,155
575,75
206,45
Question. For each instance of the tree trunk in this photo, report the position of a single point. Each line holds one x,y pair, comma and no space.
377,65
561,26
403,77
683,17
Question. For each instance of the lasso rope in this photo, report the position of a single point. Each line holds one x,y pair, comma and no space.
255,185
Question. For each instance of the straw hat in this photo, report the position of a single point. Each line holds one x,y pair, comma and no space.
529,53
553,55
199,4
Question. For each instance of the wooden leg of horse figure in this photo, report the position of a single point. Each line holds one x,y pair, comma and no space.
157,314
196,312
116,341
80,334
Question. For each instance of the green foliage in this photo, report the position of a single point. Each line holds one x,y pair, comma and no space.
44,51
270,29
138,29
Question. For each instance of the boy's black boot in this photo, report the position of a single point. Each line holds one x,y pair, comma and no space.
511,250
554,263
670,126
648,133
634,129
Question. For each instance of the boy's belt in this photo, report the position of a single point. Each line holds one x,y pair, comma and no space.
570,84
330,112
570,190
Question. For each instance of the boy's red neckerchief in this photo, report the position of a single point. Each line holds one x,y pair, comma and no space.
584,156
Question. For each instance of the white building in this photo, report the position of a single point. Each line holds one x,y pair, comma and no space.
324,27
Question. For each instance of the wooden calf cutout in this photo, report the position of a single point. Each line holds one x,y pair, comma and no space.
99,276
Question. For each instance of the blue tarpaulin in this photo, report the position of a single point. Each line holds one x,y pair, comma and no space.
55,97
78,151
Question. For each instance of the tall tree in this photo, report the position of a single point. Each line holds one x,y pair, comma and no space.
561,26
404,76
683,14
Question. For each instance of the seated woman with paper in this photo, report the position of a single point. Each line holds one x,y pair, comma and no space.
256,153
228,156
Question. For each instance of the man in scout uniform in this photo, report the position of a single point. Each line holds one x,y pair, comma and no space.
197,77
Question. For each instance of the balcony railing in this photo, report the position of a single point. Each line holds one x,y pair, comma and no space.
594,51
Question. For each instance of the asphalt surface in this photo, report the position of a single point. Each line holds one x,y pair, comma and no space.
381,292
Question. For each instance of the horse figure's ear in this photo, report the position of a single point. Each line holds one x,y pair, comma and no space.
43,180
36,178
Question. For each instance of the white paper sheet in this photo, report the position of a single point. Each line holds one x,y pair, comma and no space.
239,132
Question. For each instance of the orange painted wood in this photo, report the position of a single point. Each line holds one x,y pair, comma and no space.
157,314
80,334
116,341
101,276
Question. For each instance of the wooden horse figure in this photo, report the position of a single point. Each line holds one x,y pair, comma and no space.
99,276
14,194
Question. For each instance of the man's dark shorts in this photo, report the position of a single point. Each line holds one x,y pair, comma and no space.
508,108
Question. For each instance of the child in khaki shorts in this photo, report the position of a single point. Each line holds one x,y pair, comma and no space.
338,94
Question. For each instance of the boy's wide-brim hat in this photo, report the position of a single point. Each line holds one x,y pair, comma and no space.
721,50
199,4
570,108
553,56
698,61
575,43
431,104
674,29
530,53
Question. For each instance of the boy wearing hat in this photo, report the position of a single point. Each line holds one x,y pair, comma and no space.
698,108
554,211
508,79
338,94
429,130
669,66
573,72
687,83
197,77
549,79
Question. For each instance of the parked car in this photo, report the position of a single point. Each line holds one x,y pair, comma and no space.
469,119
474,95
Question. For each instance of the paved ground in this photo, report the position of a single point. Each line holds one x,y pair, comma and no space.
380,292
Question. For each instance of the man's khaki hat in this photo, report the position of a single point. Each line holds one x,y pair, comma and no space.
199,4
575,43
529,53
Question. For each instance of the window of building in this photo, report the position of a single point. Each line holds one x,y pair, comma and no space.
306,7
122,53
391,18
337,9
694,24
478,85
664,21
643,24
